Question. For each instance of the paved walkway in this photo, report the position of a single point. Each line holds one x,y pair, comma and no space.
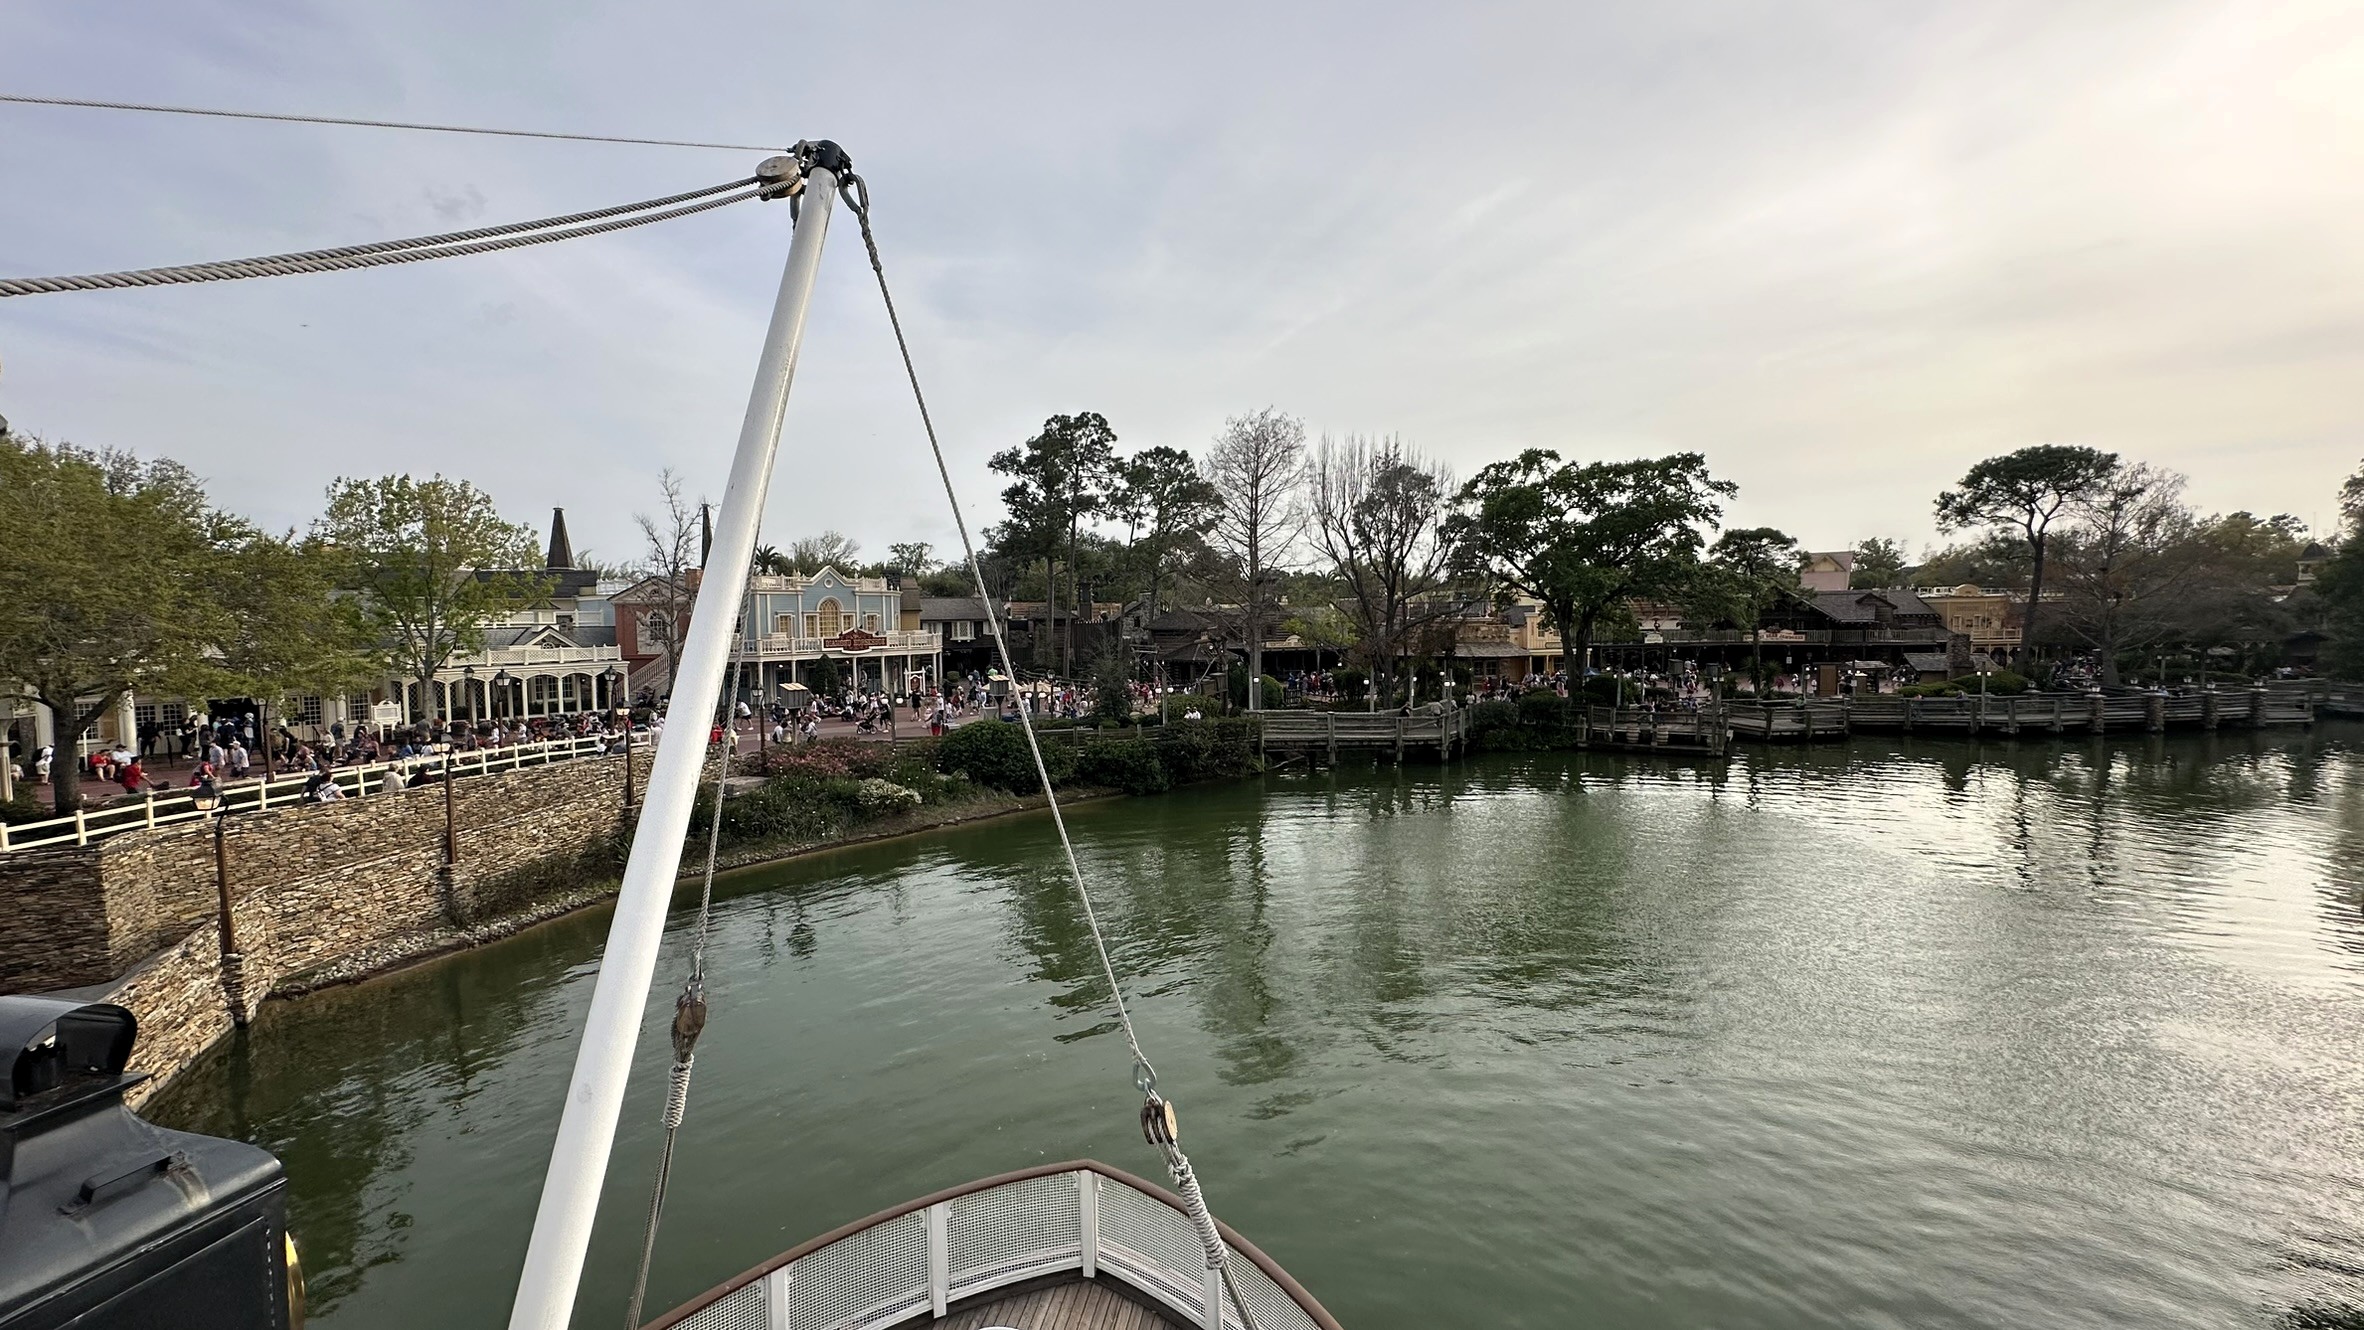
175,771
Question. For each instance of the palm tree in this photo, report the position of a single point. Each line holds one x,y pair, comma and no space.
768,559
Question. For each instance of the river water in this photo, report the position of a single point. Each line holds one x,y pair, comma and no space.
1920,1035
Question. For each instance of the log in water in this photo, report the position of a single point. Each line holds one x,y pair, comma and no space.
1916,1034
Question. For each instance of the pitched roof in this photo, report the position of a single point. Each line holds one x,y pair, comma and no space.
1863,606
951,607
562,550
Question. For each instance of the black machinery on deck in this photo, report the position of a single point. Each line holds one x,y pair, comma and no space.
108,1222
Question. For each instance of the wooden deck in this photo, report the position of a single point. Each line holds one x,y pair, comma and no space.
1082,1305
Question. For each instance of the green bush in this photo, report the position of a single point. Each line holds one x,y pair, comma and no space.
1601,690
990,752
2001,681
1275,696
1208,749
1112,692
25,807
1351,684
1542,707
1130,765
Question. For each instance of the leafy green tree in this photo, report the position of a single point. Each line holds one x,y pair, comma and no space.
2024,491
109,573
2341,585
434,563
1167,508
1058,478
1584,538
288,633
910,558
1749,571
1878,563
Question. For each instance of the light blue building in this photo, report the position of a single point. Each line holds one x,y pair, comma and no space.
868,625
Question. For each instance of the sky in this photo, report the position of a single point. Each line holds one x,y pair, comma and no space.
1843,250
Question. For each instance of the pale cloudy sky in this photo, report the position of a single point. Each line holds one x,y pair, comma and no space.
1843,249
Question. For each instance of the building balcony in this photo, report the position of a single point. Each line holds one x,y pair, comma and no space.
513,658
782,646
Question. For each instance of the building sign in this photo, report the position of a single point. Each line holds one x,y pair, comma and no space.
853,642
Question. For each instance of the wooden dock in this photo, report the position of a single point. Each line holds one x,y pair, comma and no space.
1709,730
2291,703
1333,732
1326,734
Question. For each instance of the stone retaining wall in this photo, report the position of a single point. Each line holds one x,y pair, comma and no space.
311,885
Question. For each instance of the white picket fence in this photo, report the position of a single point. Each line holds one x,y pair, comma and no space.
165,808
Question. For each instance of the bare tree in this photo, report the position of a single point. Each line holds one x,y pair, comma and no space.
830,549
2130,562
1257,466
671,536
1376,508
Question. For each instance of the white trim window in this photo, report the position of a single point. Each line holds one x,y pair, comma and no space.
964,630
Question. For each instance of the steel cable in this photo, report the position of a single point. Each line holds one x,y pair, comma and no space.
451,245
90,104
689,1010
857,200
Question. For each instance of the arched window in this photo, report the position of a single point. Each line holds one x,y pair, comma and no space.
829,618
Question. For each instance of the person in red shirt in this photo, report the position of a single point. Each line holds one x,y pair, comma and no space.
132,777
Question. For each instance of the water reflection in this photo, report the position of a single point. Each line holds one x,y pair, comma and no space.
1932,1033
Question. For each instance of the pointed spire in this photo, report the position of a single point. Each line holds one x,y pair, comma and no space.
705,532
562,550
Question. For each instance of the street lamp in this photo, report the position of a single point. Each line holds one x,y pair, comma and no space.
615,677
503,680
207,799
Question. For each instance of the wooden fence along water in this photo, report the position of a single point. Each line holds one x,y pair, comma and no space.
2287,703
1708,730
1333,732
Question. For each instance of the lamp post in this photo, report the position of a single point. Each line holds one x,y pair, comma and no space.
208,800
503,680
615,677
451,821
468,681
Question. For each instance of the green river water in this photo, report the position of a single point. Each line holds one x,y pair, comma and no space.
1926,1035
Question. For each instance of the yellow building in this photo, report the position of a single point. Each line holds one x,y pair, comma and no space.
1990,619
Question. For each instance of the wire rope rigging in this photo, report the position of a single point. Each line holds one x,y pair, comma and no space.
773,179
97,105
777,177
1159,1123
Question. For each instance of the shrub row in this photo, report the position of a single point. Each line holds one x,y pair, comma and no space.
1178,753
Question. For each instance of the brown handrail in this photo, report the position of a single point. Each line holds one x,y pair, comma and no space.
1288,1284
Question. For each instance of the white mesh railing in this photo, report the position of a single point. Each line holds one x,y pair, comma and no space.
920,1263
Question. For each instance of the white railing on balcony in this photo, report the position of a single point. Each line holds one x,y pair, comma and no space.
163,808
781,646
500,657
918,1260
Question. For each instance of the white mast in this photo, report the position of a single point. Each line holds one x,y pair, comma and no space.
595,1095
